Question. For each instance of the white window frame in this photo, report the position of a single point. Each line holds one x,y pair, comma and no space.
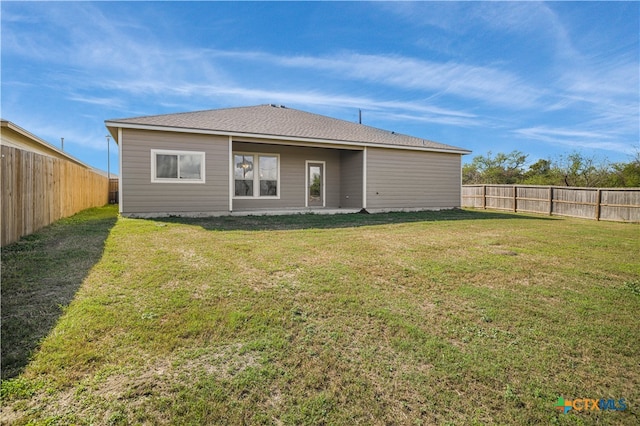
155,179
256,176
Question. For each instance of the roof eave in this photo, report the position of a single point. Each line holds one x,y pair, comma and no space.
13,126
115,124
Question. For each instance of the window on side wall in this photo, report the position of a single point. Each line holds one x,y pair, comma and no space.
177,166
256,175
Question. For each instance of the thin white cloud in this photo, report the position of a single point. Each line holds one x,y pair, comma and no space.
513,17
576,138
109,102
396,110
480,83
605,79
430,118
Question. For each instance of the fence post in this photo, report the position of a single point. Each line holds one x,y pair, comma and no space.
550,200
515,198
484,197
598,200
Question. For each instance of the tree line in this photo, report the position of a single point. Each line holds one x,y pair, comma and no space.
574,169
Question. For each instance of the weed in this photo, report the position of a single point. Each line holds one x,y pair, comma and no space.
633,287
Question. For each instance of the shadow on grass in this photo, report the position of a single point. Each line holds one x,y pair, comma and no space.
41,273
320,221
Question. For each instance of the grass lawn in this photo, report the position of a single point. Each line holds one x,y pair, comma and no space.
456,317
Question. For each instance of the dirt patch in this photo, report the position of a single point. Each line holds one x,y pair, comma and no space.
224,363
505,252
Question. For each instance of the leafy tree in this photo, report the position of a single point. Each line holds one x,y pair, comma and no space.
542,172
314,189
501,169
578,170
574,169
471,174
626,174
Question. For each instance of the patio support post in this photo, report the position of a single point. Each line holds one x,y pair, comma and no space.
120,155
231,181
364,178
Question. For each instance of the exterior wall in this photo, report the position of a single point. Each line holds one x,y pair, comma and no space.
351,179
396,179
404,179
140,195
292,176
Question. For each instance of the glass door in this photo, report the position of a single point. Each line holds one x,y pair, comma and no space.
315,184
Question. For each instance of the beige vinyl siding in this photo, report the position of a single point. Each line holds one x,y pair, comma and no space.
140,195
404,179
396,179
292,174
351,179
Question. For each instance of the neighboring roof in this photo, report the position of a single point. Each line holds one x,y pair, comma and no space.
280,121
30,142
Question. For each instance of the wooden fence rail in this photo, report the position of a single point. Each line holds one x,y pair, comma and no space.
614,204
38,190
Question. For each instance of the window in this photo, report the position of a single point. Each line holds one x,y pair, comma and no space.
256,175
177,166
268,176
244,175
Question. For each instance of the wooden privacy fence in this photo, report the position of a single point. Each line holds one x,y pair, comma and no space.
113,191
38,190
615,204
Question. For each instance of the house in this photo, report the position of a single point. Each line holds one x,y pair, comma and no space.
15,136
272,159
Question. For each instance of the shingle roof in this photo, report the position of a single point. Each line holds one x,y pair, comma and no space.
276,120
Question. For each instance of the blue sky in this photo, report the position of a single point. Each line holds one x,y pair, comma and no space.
543,78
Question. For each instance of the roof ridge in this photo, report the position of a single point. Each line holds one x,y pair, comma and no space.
186,112
388,132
